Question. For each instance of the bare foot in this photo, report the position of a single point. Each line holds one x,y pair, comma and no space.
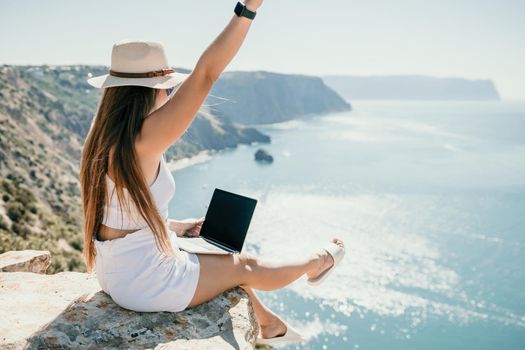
275,328
325,261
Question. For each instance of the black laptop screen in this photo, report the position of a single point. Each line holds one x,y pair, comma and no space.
228,218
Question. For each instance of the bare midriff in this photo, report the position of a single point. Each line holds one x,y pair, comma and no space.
107,233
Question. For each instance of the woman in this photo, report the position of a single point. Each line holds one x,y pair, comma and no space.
126,187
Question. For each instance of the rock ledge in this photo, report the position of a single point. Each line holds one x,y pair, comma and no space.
68,310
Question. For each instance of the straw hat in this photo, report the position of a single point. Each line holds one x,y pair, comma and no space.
139,62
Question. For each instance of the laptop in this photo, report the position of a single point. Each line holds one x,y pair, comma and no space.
225,225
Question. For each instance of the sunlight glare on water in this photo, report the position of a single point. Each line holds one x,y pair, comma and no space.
428,198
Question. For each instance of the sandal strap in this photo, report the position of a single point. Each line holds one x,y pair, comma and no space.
335,250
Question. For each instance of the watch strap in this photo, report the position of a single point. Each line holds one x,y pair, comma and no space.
241,10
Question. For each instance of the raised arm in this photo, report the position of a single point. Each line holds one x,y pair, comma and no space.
165,126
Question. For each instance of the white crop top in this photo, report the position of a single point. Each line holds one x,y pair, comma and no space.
162,190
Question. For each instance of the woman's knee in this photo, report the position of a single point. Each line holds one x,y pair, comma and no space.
248,260
248,265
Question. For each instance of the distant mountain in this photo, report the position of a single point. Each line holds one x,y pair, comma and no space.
410,87
262,97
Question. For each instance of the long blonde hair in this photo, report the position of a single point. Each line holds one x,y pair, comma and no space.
118,121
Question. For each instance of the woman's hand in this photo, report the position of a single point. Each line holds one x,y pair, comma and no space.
188,227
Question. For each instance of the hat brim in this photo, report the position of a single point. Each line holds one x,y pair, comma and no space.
162,82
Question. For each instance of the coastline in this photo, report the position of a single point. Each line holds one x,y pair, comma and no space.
202,156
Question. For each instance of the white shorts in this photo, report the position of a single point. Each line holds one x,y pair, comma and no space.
139,277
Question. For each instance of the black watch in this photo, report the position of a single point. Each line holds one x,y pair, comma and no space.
241,10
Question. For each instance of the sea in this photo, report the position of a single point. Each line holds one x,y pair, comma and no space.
429,198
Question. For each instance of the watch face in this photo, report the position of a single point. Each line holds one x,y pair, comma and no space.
238,9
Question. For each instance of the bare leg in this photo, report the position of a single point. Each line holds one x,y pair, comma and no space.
271,325
222,272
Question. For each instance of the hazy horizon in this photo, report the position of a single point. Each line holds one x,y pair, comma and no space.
468,39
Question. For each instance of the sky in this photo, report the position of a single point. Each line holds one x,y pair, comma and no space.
475,39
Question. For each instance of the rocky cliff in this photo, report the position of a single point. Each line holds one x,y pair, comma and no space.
68,310
263,97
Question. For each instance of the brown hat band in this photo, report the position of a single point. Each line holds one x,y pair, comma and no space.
157,73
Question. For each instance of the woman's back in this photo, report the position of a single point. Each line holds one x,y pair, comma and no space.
162,189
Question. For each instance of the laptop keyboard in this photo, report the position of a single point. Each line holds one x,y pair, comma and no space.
203,243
